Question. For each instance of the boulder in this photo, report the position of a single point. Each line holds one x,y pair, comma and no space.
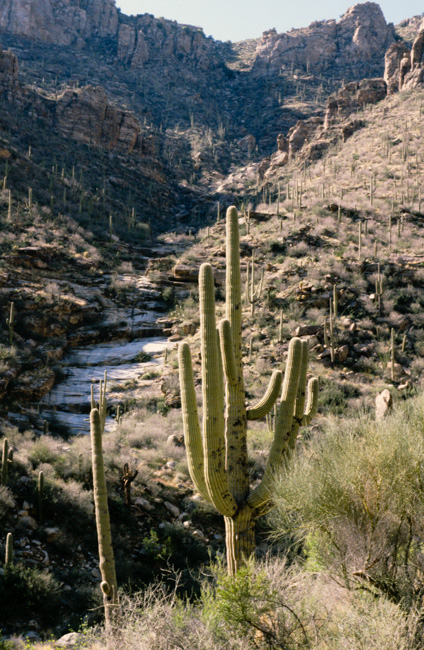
392,61
383,404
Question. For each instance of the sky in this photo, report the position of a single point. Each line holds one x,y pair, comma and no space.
237,20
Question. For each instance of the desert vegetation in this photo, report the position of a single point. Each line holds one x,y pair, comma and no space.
292,329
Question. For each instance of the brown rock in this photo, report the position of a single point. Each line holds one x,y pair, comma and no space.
342,353
392,60
356,43
352,97
33,386
383,404
308,330
186,273
417,50
8,71
126,42
404,68
141,52
281,142
59,21
297,138
86,116
350,128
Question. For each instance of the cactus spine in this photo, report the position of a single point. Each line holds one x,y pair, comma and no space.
106,559
217,456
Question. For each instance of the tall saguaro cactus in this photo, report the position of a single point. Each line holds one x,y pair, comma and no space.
217,456
106,559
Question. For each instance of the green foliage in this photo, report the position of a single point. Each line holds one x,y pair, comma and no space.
27,593
334,396
355,500
168,295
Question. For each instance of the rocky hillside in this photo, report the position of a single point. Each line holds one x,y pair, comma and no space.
122,140
191,87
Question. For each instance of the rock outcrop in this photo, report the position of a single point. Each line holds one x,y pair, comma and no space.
86,116
354,96
135,39
393,58
403,68
8,70
60,21
354,46
145,38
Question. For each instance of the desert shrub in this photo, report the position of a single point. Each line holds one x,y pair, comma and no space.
265,606
27,593
6,501
354,498
334,396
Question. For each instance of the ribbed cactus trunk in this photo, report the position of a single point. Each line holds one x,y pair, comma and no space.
106,560
239,529
217,455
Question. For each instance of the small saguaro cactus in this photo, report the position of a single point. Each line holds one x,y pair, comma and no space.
379,287
217,456
10,322
253,293
40,493
4,461
108,585
8,559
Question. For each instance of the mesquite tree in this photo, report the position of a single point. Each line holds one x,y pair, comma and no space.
217,456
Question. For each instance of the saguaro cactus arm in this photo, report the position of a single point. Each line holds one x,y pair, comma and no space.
267,402
312,401
261,495
192,433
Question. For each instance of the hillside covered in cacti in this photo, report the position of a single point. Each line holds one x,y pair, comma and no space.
211,332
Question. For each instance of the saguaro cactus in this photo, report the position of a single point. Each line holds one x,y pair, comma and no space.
8,559
10,322
106,559
4,461
217,457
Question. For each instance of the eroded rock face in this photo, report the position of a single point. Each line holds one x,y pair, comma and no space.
353,96
59,21
355,44
404,69
86,116
126,42
8,70
394,55
135,39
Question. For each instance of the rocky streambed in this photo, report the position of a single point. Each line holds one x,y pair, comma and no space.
127,364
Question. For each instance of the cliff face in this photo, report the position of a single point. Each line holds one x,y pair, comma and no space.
59,21
404,69
353,46
86,116
135,40
8,70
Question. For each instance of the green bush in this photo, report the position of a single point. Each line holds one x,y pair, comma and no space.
355,500
27,593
